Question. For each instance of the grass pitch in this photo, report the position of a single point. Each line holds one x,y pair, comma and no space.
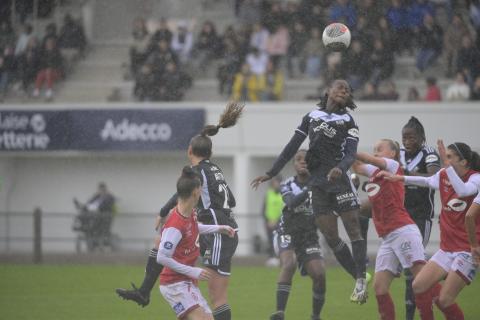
87,293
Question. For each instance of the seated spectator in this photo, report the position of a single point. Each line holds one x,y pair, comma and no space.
50,33
259,37
7,70
357,65
398,20
372,11
7,35
386,34
139,47
162,33
413,94
364,34
433,93
277,45
28,64
475,19
50,68
160,57
370,92
72,40
274,17
468,60
257,61
315,18
145,84
417,11
430,40
459,90
271,84
389,93
23,39
295,56
452,42
249,12
182,42
343,11
229,66
174,83
246,85
292,14
207,46
382,62
475,92
313,54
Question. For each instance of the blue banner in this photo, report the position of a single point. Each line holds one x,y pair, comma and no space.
99,130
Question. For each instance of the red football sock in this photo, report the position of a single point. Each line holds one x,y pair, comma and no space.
453,311
386,308
424,305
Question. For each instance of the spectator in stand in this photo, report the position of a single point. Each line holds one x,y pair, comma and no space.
50,33
452,42
207,46
246,85
357,65
139,47
413,94
430,41
343,11
364,34
390,92
174,83
50,68
272,83
397,16
182,42
298,41
274,17
72,39
313,53
386,34
382,62
370,92
7,70
475,93
257,61
277,45
371,11
475,19
162,33
7,35
315,18
459,90
145,84
229,66
259,37
417,11
433,93
159,58
468,59
23,39
249,12
28,64
292,14
230,34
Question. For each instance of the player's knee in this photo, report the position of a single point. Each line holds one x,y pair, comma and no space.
333,241
380,288
318,277
445,300
418,287
289,266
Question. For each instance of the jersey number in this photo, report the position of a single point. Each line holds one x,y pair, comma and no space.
222,187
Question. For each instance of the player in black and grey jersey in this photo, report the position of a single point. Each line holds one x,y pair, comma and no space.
214,207
417,159
296,240
333,137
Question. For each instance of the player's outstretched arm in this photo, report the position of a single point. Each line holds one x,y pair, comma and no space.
368,158
213,228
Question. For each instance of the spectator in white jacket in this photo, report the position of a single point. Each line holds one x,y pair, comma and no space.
459,90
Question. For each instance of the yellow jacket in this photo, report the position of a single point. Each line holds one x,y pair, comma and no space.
253,87
276,90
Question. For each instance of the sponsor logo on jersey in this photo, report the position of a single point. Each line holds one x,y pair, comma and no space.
431,158
457,205
406,246
326,129
313,250
178,308
168,245
354,132
372,189
219,176
214,168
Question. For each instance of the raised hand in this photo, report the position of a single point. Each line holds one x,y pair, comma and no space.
442,152
229,231
205,275
334,174
258,180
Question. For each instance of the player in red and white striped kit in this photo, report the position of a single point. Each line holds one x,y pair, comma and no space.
401,239
458,185
179,250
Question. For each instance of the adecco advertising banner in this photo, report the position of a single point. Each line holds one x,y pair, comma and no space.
99,130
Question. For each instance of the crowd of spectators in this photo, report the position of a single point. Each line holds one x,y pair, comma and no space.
32,62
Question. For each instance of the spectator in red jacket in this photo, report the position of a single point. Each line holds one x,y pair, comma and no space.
50,69
433,91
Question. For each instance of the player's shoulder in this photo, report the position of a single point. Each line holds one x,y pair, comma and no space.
175,220
286,184
430,155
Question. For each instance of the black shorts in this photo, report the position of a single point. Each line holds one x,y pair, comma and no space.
425,226
325,202
217,249
305,244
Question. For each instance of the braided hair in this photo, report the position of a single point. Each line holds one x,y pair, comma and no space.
348,104
201,144
415,124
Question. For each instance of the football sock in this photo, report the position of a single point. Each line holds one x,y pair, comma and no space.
152,271
344,257
283,291
424,305
359,251
409,296
223,312
317,302
453,311
386,308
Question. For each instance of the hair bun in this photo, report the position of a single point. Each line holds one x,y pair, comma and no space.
188,172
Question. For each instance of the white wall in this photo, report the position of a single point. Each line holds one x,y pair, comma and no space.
143,182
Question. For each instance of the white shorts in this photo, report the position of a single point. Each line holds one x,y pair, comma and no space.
184,297
402,247
460,262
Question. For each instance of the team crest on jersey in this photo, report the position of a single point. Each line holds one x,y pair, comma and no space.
457,205
431,158
178,308
353,132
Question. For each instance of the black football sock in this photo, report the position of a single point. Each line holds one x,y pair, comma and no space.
283,291
318,301
152,271
344,257
364,223
359,251
409,296
222,313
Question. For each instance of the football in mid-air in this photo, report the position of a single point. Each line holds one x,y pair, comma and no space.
336,36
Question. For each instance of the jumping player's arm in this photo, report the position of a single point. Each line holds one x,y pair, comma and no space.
214,228
463,189
171,203
290,199
170,239
470,225
371,164
350,149
432,182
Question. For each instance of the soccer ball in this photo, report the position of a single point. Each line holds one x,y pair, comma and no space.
336,36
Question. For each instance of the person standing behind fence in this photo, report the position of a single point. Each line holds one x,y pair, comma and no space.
272,211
